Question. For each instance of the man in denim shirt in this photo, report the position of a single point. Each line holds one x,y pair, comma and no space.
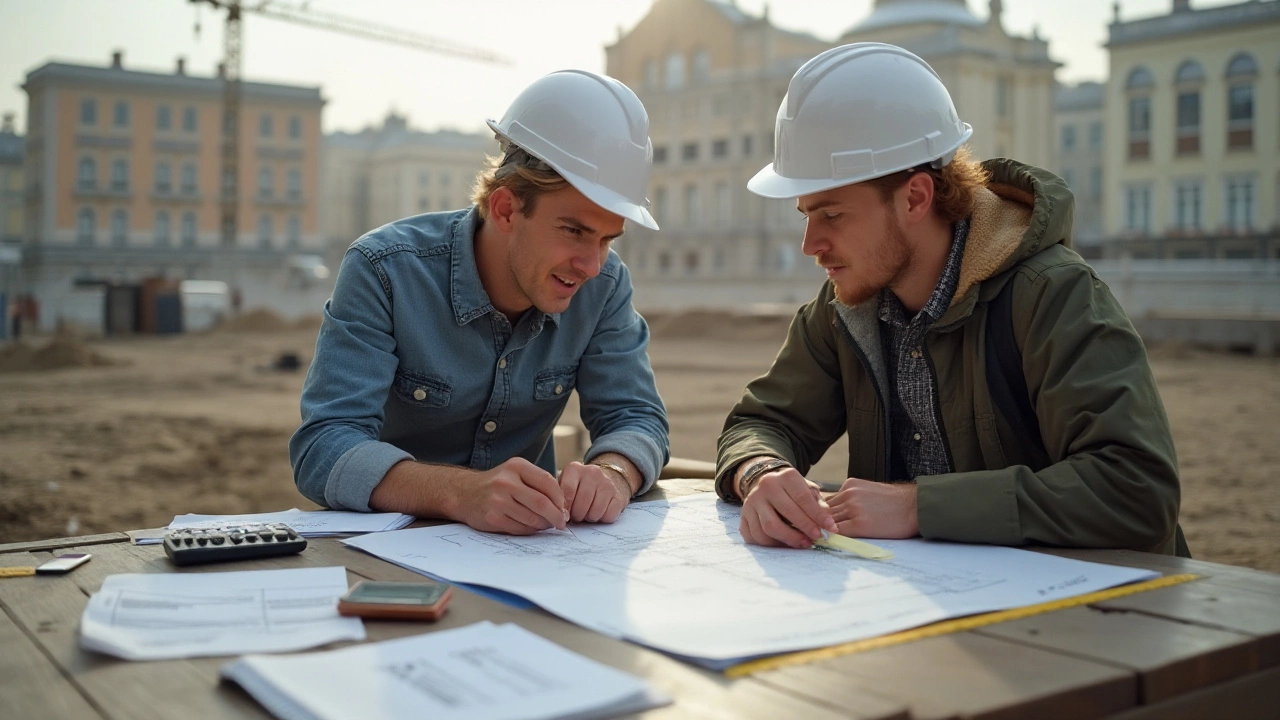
453,340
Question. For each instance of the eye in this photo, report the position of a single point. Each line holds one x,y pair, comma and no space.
830,216
572,230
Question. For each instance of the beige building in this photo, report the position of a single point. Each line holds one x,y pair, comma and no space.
1192,163
1001,84
12,205
383,174
122,171
712,77
1079,143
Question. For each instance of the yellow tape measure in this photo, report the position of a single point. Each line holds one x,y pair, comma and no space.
16,571
947,627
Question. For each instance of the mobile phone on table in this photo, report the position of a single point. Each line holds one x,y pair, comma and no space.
425,600
63,564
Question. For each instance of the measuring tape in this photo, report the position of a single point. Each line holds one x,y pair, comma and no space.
947,627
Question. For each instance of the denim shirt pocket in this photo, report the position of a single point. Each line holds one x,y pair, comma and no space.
555,383
420,390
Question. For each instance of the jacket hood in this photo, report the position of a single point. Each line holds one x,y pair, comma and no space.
1020,212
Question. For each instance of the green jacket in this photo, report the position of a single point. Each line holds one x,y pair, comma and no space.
1111,478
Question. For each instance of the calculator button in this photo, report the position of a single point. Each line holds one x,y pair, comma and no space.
236,539
252,538
282,536
217,539
201,542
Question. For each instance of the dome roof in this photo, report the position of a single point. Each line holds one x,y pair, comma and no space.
893,13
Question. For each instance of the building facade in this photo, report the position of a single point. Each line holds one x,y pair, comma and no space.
383,174
12,196
712,77
1192,105
122,171
1079,142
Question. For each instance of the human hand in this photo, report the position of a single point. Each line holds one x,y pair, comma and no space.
516,497
592,493
784,509
867,509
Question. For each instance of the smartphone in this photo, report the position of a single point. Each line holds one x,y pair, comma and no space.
396,600
63,564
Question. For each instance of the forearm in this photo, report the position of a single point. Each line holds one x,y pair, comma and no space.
645,451
635,479
421,489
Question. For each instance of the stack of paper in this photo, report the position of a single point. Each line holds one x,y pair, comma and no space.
474,672
165,615
319,523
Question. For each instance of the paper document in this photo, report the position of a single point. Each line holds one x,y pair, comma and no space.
676,575
168,615
475,672
318,523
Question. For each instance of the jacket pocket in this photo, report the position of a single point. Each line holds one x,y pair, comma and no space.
420,390
555,383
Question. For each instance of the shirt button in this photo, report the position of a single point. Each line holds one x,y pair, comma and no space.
559,389
490,426
419,394
502,364
915,354
916,437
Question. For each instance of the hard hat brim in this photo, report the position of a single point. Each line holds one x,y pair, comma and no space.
768,183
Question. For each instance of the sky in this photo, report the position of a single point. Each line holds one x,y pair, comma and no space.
363,79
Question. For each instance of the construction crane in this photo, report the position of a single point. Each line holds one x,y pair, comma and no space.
301,15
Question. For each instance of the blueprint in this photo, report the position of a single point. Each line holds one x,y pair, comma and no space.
676,575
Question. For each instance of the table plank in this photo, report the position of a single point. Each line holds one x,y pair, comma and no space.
967,675
698,693
1170,658
1252,697
1224,575
56,543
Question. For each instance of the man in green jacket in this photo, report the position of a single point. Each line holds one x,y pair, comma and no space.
949,282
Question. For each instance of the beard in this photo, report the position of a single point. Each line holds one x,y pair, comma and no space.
886,261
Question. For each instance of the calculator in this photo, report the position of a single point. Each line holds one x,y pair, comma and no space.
241,541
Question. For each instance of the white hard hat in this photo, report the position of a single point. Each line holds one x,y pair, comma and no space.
858,112
591,129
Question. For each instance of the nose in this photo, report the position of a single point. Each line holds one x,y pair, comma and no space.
590,261
814,240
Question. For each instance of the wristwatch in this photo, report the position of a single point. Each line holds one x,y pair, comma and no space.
756,470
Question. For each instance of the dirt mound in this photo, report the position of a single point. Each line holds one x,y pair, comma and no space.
260,320
61,352
719,325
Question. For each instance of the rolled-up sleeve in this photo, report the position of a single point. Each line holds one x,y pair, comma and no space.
336,455
619,398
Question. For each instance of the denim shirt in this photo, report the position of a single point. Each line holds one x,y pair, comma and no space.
414,362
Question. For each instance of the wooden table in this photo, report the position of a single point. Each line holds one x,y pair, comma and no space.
1207,648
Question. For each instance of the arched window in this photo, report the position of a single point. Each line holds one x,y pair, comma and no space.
1188,79
265,182
164,180
1139,85
1189,72
189,178
293,184
120,175
162,228
675,71
119,227
1242,72
265,230
87,174
188,229
86,226
1140,78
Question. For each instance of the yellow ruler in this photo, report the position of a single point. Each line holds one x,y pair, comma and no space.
947,627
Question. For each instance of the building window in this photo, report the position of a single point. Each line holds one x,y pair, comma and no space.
692,206
664,261
162,228
295,127
189,178
164,181
89,112
1004,96
164,117
1069,178
1186,205
189,119
723,207
188,229
675,71
294,231
119,227
293,184
1068,138
266,126
689,152
265,230
701,65
87,174
1139,86
650,74
86,226
1242,71
746,145
659,154
120,117
1188,115
659,205
1239,203
1095,136
266,181
1138,209
1095,182
720,148
424,178
691,261
120,175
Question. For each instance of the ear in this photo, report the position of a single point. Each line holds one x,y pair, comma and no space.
503,208
919,196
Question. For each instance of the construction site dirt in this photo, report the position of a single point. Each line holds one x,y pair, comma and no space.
118,434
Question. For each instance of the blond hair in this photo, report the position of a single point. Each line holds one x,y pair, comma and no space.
955,186
525,182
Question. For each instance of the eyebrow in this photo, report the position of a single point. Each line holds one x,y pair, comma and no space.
817,206
574,222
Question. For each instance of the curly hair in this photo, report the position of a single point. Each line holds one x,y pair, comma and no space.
954,186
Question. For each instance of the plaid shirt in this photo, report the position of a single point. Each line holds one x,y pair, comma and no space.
918,446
